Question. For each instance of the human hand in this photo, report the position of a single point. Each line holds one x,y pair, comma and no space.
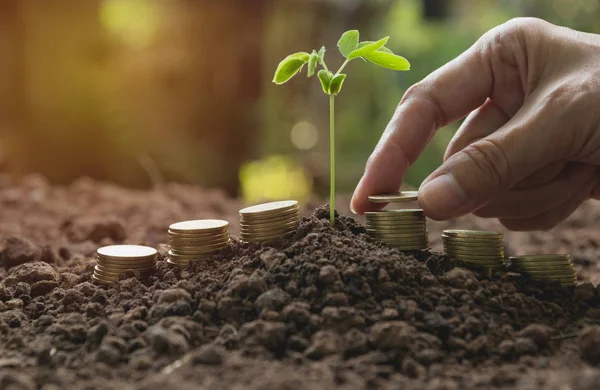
528,153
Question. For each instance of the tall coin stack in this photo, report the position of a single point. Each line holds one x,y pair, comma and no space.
269,221
404,229
546,267
196,240
474,247
114,260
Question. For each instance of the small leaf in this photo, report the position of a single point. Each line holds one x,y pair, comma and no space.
289,66
336,83
322,55
348,42
369,48
325,79
388,60
385,50
312,63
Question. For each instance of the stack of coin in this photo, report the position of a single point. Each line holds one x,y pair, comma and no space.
113,261
475,248
269,221
402,229
196,240
397,197
546,267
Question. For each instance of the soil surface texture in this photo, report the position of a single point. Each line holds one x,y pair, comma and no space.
324,308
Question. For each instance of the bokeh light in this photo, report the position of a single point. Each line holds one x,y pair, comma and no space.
274,178
304,135
132,22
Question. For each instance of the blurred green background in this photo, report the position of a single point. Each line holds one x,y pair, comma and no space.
140,92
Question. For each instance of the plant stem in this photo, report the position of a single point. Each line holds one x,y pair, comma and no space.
342,67
331,160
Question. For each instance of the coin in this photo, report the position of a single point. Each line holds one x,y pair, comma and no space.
540,264
404,196
270,221
124,266
421,224
201,247
545,268
472,234
101,280
480,250
196,252
396,228
271,208
567,271
125,252
271,218
199,226
471,242
396,233
269,228
470,250
198,244
181,264
473,245
395,215
198,236
542,257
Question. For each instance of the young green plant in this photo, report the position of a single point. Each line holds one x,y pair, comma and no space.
350,47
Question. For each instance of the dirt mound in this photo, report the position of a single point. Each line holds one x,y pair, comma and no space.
325,308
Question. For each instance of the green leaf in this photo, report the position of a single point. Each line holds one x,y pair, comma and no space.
322,55
289,66
348,42
312,63
385,50
388,60
325,79
368,48
336,83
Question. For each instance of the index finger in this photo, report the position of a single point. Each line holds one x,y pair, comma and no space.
443,97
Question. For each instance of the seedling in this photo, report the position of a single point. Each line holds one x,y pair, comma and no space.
332,83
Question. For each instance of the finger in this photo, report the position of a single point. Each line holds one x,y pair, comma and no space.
537,200
551,218
478,73
542,176
479,124
478,173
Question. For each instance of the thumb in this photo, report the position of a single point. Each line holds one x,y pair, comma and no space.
473,176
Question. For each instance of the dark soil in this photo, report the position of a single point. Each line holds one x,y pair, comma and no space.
326,308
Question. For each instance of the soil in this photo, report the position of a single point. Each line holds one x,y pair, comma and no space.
325,308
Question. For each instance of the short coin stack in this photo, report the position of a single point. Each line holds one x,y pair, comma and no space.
269,221
196,240
404,229
114,260
546,267
474,247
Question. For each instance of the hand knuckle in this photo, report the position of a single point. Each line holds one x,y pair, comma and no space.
426,103
502,39
493,168
573,103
